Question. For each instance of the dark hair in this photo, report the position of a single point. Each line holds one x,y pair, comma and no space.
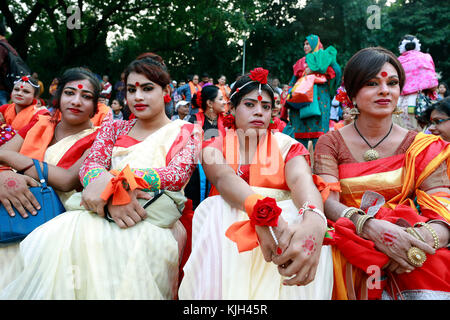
441,106
2,26
120,101
208,93
236,98
365,64
446,94
151,66
410,45
75,74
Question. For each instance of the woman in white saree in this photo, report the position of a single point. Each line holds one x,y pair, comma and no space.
248,239
111,247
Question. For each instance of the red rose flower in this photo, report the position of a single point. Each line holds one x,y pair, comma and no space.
25,78
266,212
167,98
272,125
260,75
228,121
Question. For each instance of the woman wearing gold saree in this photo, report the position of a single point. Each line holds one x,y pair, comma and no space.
401,251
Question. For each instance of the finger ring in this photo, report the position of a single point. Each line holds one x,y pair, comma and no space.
416,256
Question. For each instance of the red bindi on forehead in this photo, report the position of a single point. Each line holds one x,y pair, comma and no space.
80,86
384,74
137,84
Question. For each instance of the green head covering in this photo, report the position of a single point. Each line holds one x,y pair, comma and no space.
314,42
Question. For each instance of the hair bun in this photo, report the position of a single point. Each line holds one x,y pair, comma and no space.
152,56
410,46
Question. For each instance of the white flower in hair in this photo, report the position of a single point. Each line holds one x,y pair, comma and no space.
402,48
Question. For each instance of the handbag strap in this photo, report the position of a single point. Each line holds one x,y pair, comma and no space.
43,176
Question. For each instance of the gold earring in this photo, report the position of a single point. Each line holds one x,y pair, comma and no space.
354,111
397,110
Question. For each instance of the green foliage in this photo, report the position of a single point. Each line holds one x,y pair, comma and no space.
196,36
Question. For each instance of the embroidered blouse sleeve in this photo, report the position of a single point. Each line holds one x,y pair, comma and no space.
99,159
178,171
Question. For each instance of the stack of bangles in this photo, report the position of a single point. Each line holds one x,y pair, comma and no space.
416,256
350,211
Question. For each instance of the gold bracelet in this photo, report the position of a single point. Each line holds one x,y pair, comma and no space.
415,234
348,212
432,231
360,223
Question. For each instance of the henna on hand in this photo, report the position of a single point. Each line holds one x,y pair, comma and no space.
309,245
388,238
11,183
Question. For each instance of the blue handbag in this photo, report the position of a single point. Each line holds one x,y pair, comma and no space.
14,229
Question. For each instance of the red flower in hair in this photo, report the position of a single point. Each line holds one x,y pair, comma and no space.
199,99
343,98
25,78
260,75
228,121
167,98
272,125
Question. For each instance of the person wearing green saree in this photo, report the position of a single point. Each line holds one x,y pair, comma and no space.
318,61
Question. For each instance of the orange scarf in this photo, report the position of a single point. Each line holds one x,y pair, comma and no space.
424,146
21,119
102,111
267,166
194,89
266,170
38,138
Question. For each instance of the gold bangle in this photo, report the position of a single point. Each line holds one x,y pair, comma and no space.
348,212
432,231
361,222
415,234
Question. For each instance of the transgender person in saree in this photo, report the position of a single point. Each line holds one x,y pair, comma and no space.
62,141
135,252
260,181
392,243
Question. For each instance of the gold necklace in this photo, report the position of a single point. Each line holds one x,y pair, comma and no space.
212,121
372,154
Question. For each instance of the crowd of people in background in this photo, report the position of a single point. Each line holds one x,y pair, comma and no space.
350,163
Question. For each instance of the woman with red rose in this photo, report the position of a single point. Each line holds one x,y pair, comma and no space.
249,239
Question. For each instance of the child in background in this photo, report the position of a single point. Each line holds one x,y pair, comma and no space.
116,106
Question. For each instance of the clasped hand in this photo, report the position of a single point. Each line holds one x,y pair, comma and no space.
124,216
298,251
